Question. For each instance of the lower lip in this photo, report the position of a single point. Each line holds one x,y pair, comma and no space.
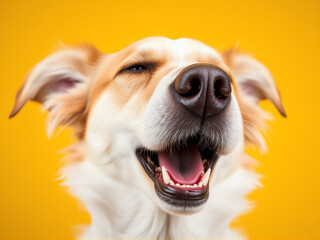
180,194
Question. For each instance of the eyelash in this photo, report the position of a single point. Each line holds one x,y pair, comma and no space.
137,68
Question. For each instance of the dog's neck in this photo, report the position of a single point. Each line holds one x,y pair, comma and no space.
122,210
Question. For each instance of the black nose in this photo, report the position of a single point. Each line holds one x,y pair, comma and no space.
203,89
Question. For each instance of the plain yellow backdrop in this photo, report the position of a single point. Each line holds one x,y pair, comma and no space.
284,35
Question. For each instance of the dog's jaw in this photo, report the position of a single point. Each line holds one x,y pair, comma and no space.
113,204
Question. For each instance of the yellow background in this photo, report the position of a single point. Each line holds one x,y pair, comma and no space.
284,35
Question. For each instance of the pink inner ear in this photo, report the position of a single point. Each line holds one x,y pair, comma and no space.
60,86
251,90
248,89
63,85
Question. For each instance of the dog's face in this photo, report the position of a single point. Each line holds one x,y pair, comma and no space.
169,117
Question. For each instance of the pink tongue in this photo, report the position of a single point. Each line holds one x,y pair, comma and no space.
184,166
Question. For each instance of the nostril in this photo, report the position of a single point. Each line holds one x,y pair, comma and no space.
191,88
194,88
222,88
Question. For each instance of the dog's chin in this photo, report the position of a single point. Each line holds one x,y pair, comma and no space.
181,173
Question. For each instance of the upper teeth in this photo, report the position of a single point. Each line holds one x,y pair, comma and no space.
166,177
204,180
205,177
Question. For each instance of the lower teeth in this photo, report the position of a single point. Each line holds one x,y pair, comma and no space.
167,180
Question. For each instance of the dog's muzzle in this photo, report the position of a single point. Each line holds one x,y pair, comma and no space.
182,169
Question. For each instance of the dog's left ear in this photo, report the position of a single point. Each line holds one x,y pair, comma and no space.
61,82
254,83
254,80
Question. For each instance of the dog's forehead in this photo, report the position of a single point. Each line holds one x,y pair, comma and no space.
178,49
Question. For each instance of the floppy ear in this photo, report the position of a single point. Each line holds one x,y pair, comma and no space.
61,83
254,83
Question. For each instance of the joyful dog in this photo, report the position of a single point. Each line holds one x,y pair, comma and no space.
161,128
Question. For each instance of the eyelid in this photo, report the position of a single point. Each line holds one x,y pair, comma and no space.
147,65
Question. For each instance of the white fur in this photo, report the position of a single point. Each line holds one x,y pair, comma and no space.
120,210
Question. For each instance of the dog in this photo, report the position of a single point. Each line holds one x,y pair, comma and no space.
161,128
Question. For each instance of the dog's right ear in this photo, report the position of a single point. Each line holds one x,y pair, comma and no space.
60,83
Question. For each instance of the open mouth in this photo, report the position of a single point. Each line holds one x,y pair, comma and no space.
181,171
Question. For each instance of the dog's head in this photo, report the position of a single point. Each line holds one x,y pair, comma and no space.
164,116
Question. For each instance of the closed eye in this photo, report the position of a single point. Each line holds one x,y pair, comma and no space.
138,68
